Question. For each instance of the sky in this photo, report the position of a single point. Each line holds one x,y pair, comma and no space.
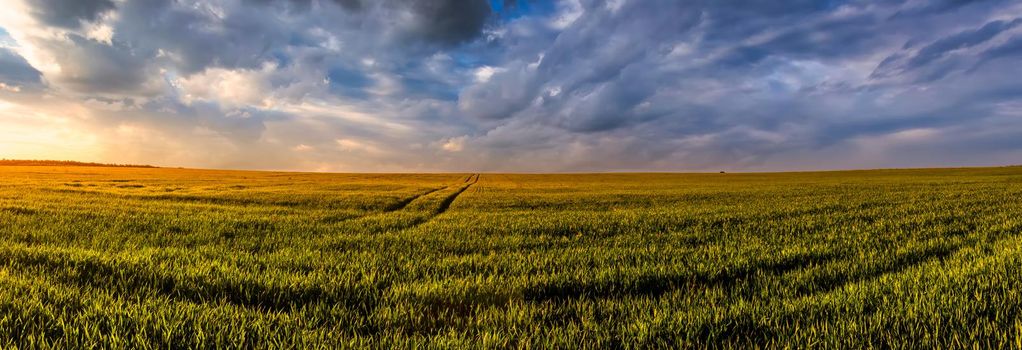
513,86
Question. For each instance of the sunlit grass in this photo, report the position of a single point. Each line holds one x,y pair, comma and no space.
138,257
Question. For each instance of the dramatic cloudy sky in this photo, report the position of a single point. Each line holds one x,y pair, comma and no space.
504,85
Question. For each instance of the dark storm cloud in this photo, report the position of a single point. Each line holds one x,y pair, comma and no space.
755,80
941,6
304,5
16,71
961,40
449,21
1012,48
505,94
196,37
70,13
444,22
586,62
938,58
94,67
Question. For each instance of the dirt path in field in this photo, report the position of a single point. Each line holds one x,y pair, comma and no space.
427,211
400,205
446,204
405,202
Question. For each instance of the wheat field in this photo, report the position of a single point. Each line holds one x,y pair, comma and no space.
180,258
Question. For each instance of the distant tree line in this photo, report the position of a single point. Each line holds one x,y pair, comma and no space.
33,162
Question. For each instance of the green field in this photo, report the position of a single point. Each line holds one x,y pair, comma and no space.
157,258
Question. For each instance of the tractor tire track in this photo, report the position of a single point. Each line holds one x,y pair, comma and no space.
446,203
403,203
396,206
412,204
422,207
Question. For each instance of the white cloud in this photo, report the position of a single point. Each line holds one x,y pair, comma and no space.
483,74
228,87
351,145
570,11
454,144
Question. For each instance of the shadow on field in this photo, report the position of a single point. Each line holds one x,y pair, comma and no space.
656,285
19,211
826,283
439,313
403,203
184,198
130,278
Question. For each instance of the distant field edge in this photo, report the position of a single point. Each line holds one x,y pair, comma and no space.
33,162
69,163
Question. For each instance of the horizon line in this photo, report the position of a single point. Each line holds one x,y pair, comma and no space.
86,164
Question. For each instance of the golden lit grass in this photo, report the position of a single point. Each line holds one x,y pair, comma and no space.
140,257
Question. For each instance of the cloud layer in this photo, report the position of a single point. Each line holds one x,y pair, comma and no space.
473,85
